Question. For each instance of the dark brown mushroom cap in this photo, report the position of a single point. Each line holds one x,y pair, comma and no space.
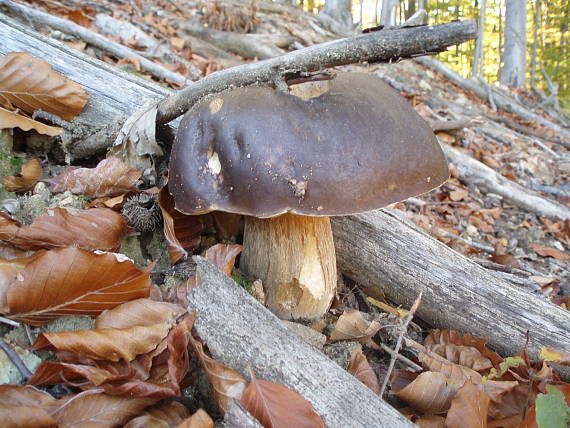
261,152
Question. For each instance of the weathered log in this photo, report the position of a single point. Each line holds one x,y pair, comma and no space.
382,251
94,39
487,180
239,331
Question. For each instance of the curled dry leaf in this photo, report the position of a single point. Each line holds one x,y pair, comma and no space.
550,252
445,337
110,344
430,421
165,416
276,406
227,384
72,281
555,355
140,312
25,407
110,177
182,232
430,392
26,180
94,228
223,256
30,84
468,409
9,119
436,363
354,326
361,370
200,419
466,356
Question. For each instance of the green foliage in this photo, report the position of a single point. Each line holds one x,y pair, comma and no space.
242,282
551,409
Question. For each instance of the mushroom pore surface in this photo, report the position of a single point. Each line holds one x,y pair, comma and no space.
262,152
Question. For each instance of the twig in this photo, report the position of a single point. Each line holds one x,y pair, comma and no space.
9,322
16,360
546,148
403,329
400,357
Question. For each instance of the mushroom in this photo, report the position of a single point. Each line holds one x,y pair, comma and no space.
289,161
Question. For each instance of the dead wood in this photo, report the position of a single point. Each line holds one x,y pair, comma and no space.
387,253
239,331
93,39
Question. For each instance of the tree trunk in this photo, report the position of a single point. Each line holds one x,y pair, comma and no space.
514,66
534,43
478,61
388,15
337,16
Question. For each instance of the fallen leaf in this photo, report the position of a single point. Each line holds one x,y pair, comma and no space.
223,256
25,407
227,384
551,409
276,406
140,312
182,232
30,83
430,392
72,281
168,415
200,419
361,370
555,355
26,179
110,177
550,252
458,195
468,409
466,356
506,260
352,325
94,228
9,119
436,363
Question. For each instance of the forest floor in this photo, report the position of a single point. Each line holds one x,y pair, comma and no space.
486,226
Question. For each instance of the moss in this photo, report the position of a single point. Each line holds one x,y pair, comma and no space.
9,165
244,283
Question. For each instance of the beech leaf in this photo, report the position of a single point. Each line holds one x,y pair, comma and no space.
352,325
110,177
361,370
223,256
445,337
29,175
200,419
10,119
25,407
435,363
276,406
543,251
72,281
468,409
166,416
140,312
182,232
95,228
227,384
30,84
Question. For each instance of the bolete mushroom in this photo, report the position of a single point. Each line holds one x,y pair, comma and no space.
289,162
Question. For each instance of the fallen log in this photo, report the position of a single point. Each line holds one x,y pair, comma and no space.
471,171
239,331
388,254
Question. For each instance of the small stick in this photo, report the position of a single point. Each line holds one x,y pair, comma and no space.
9,322
400,357
16,360
403,329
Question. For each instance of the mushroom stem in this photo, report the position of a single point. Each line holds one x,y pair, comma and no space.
294,256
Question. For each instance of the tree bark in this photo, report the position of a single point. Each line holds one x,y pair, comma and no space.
388,254
388,13
337,16
478,60
514,59
239,331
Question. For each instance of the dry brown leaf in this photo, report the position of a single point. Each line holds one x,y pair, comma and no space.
140,312
227,384
361,370
72,281
543,251
458,194
25,407
200,419
468,409
436,363
223,256
30,83
510,422
506,260
110,344
31,172
182,232
95,228
10,119
9,271
98,410
466,356
430,392
168,415
354,326
276,406
430,421
110,177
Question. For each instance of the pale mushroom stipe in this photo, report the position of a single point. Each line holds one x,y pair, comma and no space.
287,162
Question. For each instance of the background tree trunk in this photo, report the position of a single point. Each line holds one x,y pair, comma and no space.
337,16
514,65
478,62
388,15
534,43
